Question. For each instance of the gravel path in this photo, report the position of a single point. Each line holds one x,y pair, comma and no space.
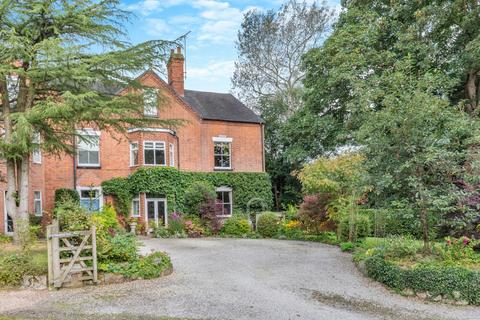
238,279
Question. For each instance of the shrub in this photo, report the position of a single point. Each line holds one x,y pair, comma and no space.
63,195
209,212
458,250
106,220
197,194
13,266
236,226
314,211
160,232
119,248
347,246
362,227
151,266
72,217
398,247
267,224
175,223
193,230
292,229
433,278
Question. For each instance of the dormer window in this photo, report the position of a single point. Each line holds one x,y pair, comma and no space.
150,102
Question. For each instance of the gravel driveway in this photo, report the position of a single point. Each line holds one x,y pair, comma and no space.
238,279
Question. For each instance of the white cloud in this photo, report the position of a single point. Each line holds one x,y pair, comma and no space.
212,72
147,7
157,27
222,20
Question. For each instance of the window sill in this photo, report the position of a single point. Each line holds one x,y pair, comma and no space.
224,216
222,169
154,165
88,167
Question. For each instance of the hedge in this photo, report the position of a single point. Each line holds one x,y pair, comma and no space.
433,278
172,183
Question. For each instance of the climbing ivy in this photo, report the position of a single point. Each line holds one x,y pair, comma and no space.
172,183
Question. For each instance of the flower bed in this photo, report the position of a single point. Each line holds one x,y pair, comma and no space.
449,273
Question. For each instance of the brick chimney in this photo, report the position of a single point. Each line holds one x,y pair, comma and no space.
175,71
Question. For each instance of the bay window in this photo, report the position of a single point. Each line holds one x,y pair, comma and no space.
154,153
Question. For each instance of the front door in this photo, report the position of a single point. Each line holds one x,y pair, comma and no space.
156,212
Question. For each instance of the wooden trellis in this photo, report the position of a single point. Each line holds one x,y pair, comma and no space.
71,254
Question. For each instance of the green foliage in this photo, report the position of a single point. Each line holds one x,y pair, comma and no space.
63,195
119,187
160,232
337,176
120,247
268,224
196,194
236,226
291,230
432,278
347,246
362,227
105,220
14,265
173,184
72,217
151,266
399,247
459,251
5,239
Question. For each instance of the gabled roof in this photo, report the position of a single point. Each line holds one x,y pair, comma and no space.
220,106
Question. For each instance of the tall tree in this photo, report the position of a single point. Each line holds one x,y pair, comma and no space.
393,79
268,75
57,58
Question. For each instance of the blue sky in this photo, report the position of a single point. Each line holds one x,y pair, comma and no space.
213,24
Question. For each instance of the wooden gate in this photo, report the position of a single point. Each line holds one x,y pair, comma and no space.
71,255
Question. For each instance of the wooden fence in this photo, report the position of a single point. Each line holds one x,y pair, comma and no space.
71,256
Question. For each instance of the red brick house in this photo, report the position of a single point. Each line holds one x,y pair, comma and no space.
219,134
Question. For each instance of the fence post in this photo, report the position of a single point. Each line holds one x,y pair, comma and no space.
55,241
94,254
49,256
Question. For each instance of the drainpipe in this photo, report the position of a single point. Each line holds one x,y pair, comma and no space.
178,150
74,164
263,146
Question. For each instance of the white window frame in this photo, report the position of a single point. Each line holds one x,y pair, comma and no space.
100,194
136,199
93,133
37,152
223,140
154,156
171,152
132,164
147,111
230,195
35,200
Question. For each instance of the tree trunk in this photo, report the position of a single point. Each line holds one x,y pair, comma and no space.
471,91
425,237
11,204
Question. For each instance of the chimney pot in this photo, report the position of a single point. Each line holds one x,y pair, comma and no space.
175,67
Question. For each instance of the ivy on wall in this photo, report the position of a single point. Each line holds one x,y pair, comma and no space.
252,189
